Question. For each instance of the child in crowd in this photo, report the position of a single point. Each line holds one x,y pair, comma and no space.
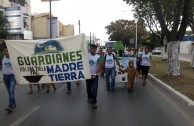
131,74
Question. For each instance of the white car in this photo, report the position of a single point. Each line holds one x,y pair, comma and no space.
157,50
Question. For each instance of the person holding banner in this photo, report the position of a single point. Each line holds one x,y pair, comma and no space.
48,87
92,84
109,59
9,79
31,89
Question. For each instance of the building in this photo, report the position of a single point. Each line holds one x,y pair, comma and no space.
41,27
186,44
18,13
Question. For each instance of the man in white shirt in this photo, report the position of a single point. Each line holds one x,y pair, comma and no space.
9,79
92,84
109,59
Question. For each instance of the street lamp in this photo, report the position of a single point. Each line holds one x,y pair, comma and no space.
50,14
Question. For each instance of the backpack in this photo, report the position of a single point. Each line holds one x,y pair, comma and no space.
103,64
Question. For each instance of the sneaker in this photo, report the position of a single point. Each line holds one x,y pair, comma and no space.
30,92
89,100
144,84
68,92
94,106
129,90
8,109
77,83
13,106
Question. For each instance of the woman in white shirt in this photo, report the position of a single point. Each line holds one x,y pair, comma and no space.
145,65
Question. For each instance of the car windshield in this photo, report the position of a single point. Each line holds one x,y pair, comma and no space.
157,48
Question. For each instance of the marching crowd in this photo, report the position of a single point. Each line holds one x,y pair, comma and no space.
100,62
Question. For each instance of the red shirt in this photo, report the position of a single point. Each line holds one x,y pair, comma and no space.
100,53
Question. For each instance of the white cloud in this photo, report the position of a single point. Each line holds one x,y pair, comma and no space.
93,14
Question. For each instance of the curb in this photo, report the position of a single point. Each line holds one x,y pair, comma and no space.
185,102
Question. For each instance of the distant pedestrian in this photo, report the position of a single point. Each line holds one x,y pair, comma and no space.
139,56
92,84
145,65
131,74
101,53
9,79
129,52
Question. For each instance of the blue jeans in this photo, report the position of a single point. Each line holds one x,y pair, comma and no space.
92,89
68,86
110,72
10,84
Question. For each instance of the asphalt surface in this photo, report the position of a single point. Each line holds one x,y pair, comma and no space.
145,106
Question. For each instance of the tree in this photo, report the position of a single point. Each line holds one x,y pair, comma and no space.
191,18
173,17
21,2
4,24
124,30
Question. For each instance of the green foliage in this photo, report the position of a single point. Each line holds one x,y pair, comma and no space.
124,30
118,45
172,15
4,24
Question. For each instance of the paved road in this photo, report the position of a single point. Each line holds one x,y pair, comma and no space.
146,106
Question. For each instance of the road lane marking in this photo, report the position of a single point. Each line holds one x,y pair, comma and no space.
23,118
62,88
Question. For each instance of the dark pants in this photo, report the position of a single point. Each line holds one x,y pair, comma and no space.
92,88
110,72
10,84
69,86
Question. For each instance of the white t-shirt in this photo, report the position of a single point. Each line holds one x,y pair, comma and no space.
145,61
93,62
109,61
140,53
6,66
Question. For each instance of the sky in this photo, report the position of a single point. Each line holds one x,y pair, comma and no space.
94,15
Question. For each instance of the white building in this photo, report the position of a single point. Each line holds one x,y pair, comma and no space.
185,45
18,13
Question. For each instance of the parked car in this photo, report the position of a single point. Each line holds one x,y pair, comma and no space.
157,50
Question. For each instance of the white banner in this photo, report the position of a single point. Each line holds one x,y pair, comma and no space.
125,61
49,61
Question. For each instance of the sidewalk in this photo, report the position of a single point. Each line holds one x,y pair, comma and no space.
178,97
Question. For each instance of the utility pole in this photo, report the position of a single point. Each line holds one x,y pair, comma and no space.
90,38
50,17
93,39
79,26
